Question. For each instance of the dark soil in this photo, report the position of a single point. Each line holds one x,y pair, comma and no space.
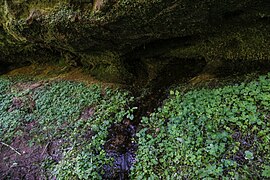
26,162
22,160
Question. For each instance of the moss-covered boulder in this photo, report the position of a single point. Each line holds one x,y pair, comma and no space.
106,35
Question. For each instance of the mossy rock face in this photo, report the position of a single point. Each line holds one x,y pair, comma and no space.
183,29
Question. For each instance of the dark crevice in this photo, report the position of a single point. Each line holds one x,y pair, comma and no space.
239,67
149,94
6,67
232,14
138,69
161,46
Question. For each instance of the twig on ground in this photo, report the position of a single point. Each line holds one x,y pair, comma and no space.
12,148
45,148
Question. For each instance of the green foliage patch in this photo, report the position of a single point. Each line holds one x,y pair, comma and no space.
74,114
11,116
208,134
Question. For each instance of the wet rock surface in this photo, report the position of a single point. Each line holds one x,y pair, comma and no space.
121,148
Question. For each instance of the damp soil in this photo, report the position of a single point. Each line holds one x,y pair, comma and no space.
23,160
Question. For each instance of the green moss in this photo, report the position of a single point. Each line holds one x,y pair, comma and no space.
106,66
248,44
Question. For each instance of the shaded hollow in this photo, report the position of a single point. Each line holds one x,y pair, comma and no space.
239,67
152,90
5,67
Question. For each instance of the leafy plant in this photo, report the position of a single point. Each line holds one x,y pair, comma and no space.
58,114
207,133
266,171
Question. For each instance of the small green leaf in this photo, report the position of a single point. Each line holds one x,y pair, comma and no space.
249,155
266,171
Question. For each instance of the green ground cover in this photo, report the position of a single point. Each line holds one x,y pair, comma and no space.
56,109
208,134
223,132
